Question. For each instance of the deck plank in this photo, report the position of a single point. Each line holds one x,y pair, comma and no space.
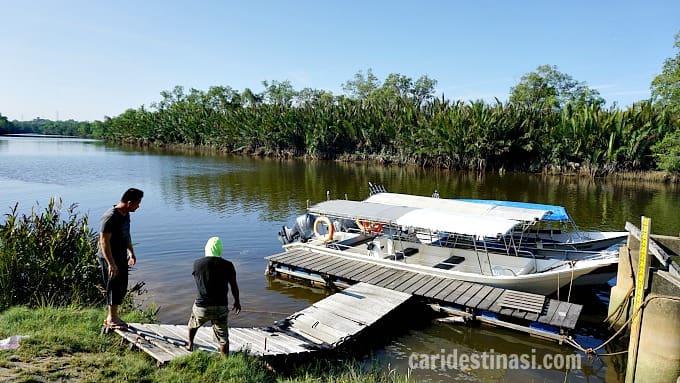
468,294
490,299
479,297
422,281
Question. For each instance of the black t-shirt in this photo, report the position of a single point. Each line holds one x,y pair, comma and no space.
212,275
119,226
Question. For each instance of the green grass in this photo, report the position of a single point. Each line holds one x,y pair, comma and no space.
65,344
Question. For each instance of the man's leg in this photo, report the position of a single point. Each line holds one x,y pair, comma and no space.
112,316
196,320
192,335
220,327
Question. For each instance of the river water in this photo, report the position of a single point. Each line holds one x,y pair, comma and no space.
245,201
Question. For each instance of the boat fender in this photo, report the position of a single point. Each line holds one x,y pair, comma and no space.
331,229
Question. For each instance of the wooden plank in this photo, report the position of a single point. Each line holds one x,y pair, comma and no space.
246,341
510,311
308,261
398,274
278,342
265,341
560,314
176,332
380,276
463,287
158,353
163,350
468,294
448,290
363,267
479,297
328,267
294,256
343,272
522,301
428,286
326,326
396,284
553,304
531,316
490,299
424,279
370,275
372,269
495,306
572,316
325,262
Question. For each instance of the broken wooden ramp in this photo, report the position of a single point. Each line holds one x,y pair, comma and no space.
325,325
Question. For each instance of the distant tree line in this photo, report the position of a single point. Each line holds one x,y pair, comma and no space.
551,122
43,126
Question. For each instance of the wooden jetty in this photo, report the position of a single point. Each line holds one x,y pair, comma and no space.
372,290
324,325
498,305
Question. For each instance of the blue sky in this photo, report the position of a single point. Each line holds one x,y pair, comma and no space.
85,60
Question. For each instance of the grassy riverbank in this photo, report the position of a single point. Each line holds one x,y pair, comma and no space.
65,344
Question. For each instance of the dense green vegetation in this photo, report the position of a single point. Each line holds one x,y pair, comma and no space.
46,258
550,123
396,128
43,126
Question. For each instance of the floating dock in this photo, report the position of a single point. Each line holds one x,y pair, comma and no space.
498,305
371,291
325,325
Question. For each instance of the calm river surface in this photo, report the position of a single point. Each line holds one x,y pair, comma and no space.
189,198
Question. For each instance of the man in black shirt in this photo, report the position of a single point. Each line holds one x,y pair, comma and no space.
213,275
116,253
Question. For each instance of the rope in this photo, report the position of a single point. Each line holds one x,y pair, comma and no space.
591,350
571,281
620,308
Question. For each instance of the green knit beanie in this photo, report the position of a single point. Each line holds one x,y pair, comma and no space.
213,248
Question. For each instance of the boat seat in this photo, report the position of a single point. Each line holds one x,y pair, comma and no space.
449,262
352,242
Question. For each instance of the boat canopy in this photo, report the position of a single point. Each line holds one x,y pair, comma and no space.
413,217
518,213
557,213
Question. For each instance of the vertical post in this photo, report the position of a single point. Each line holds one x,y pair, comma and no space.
640,286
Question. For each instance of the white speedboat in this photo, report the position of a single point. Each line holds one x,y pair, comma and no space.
546,230
388,234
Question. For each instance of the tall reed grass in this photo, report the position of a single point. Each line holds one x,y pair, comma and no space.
48,257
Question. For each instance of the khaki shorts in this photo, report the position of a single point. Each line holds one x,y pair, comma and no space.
217,315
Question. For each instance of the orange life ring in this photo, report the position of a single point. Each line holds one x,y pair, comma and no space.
368,226
331,229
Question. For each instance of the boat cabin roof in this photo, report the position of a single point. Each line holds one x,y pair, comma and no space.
498,210
557,213
415,217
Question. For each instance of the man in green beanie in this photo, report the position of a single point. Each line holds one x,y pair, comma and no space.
213,276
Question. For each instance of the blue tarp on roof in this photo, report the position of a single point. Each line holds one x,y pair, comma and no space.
559,213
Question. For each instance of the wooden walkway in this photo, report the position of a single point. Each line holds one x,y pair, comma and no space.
324,325
468,296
